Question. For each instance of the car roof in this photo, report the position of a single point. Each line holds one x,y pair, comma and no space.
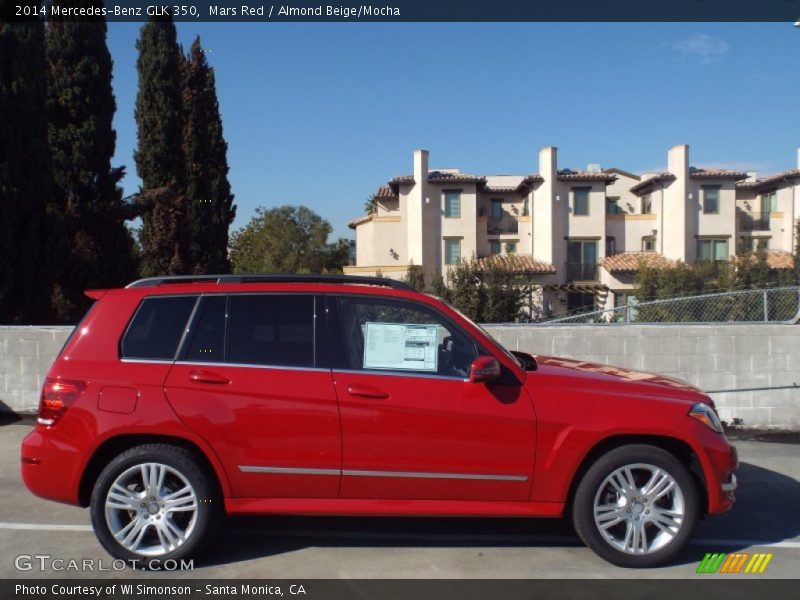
285,278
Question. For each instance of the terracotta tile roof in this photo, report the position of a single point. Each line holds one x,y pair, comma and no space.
359,220
500,189
776,259
441,177
517,263
533,178
648,183
760,184
628,262
716,174
568,175
780,259
385,193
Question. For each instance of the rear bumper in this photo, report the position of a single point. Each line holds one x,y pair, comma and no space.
50,470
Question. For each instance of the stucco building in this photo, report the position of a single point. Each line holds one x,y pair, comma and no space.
579,234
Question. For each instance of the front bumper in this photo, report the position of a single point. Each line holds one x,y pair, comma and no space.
721,479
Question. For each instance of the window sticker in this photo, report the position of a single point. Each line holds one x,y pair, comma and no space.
401,346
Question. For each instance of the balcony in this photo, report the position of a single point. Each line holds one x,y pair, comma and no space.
582,272
755,221
505,224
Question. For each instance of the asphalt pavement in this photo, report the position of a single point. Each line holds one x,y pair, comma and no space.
766,519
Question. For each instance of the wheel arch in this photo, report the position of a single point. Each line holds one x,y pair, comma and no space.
675,446
117,444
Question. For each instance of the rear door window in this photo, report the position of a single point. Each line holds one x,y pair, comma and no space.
206,342
157,328
271,329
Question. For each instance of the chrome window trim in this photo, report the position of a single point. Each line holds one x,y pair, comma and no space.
391,373
392,474
156,361
249,366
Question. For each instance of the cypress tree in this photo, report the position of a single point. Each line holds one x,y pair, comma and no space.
210,208
80,111
27,230
165,235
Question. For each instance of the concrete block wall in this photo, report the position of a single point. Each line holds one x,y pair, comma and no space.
26,353
751,371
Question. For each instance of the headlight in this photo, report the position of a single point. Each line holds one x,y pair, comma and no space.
706,415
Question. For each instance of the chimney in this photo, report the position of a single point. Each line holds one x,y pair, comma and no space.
420,166
798,158
678,161
548,163
752,176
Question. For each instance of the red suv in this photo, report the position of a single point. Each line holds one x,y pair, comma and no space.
176,400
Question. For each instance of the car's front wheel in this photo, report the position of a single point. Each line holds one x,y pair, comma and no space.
636,506
153,501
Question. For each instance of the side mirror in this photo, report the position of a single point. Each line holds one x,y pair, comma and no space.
484,369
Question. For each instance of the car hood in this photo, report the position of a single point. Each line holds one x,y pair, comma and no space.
607,377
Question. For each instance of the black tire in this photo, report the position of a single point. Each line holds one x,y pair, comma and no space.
183,462
590,487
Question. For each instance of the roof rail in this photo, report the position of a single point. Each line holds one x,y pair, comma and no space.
272,278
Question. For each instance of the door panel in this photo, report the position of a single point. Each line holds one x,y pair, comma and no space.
265,420
248,383
426,433
435,438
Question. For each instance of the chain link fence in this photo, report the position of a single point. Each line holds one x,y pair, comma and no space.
773,305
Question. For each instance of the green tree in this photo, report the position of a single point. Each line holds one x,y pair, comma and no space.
80,111
464,289
371,205
166,234
210,201
797,252
287,239
504,293
415,277
28,223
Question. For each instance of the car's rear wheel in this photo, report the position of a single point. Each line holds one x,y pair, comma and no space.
636,506
153,501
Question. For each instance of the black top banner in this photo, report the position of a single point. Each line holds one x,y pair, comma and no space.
401,11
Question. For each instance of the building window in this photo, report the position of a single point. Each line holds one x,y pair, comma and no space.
612,205
751,244
494,247
580,201
452,204
647,204
712,250
711,200
611,245
649,243
581,260
769,201
497,210
511,247
452,251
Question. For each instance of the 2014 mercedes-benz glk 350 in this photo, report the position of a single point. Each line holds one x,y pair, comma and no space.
177,400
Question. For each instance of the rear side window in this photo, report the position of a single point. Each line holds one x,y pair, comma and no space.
271,330
157,327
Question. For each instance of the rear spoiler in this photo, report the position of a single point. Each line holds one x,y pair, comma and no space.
95,294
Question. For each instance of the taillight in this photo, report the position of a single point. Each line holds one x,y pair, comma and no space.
57,396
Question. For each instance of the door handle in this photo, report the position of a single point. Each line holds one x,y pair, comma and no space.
367,391
203,376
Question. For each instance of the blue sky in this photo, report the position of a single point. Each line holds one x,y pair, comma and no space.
321,114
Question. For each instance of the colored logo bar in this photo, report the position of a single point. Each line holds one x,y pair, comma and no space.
738,562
